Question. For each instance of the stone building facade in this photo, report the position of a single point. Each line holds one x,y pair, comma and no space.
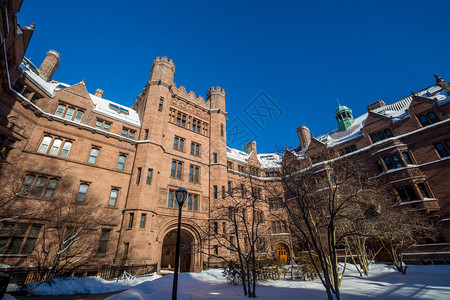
407,145
131,160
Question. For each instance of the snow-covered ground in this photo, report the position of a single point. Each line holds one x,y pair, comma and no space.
384,282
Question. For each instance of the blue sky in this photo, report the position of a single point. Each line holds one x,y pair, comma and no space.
282,64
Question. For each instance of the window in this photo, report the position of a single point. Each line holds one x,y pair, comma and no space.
423,190
215,191
223,192
138,175
279,227
6,145
374,138
192,202
82,191
215,228
407,158
193,174
230,213
102,125
121,162
196,125
142,222
93,155
230,187
69,113
171,198
176,169
128,133
392,162
348,149
38,186
178,144
411,193
55,146
130,220
242,190
195,149
216,249
146,134
381,135
254,171
172,202
178,122
18,238
224,228
148,181
160,106
443,149
241,168
230,165
215,158
275,203
402,194
113,195
221,130
183,120
428,119
103,242
126,248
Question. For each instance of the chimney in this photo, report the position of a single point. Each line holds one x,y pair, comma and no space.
251,147
99,93
50,64
304,136
375,105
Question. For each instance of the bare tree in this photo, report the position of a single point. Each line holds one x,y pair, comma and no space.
70,235
324,201
401,228
237,228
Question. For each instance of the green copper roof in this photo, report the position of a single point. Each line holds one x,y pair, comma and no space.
344,117
340,109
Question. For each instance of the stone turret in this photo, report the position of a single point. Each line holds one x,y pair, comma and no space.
163,69
216,98
50,64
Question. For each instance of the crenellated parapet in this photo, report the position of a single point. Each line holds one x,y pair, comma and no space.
216,98
215,90
164,60
181,91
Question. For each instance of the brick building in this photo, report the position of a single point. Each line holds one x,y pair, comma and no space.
407,144
131,160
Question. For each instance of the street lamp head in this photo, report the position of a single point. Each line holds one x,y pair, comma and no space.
180,195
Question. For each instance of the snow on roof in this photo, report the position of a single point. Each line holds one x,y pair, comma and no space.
101,106
396,111
237,155
269,161
115,111
33,74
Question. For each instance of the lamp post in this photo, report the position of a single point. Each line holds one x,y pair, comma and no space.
180,196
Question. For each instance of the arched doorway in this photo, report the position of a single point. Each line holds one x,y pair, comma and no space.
169,249
282,253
